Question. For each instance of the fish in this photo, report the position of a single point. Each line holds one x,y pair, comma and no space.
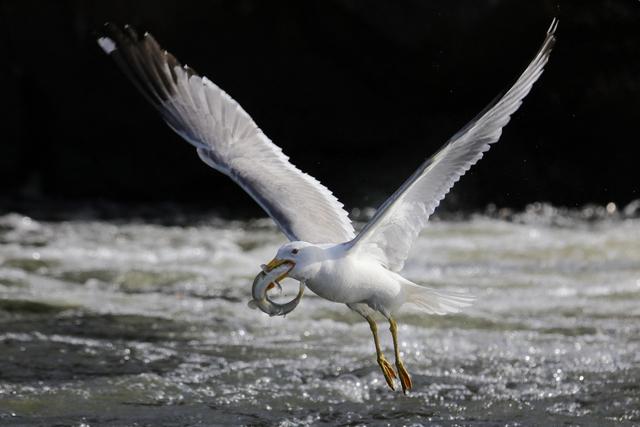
264,281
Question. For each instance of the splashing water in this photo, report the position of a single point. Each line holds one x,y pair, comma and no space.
121,323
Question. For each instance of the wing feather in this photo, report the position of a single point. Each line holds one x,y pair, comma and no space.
389,235
227,139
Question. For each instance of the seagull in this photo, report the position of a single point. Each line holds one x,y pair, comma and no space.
323,253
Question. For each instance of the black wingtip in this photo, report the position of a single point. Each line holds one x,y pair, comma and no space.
550,39
553,27
141,58
110,38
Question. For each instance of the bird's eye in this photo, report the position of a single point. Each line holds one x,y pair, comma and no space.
294,251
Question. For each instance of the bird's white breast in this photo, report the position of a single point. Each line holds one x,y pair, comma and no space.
348,278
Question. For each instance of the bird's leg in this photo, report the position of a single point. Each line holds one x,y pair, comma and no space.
385,366
405,379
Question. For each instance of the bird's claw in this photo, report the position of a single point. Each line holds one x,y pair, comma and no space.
387,371
405,379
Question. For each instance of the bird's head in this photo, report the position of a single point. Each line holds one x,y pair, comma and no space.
303,258
298,260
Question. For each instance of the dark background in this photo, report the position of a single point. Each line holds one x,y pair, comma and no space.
357,93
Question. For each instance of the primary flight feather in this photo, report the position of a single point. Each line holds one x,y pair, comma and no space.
323,253
227,139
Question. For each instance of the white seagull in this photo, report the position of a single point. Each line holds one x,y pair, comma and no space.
324,252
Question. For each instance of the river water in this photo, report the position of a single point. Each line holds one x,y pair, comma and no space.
140,323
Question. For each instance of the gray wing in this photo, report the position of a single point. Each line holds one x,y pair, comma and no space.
227,139
389,235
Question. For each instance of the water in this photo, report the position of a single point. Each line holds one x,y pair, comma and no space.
133,323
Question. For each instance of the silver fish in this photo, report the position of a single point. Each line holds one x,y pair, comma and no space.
261,285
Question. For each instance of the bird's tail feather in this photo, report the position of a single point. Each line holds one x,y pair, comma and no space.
435,301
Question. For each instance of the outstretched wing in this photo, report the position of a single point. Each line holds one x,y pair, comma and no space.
391,232
228,140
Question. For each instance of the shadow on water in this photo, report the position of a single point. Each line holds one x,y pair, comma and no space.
45,342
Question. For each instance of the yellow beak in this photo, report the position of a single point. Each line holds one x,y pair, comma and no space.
274,263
